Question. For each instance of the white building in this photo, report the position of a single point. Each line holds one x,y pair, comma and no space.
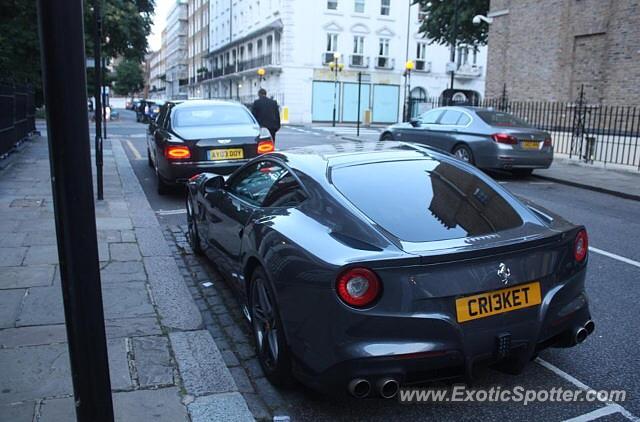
176,51
157,74
295,40
198,48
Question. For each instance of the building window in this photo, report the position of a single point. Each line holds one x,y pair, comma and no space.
384,47
385,7
421,51
359,6
332,4
332,42
358,45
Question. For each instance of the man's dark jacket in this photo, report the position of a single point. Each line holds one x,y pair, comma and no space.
267,113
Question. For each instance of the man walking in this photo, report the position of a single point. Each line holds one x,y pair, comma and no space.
267,113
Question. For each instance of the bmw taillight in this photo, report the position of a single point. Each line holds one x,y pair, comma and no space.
503,138
177,152
358,287
548,142
266,147
581,246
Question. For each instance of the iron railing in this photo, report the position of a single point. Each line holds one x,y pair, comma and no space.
17,115
608,134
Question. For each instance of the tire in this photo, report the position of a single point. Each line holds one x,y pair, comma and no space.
193,236
463,153
522,172
266,325
149,160
386,137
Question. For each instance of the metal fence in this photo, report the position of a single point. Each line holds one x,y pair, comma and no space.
608,134
17,115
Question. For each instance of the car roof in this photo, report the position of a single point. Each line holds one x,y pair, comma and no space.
317,158
201,103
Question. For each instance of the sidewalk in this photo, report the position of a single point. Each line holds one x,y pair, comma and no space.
624,183
164,366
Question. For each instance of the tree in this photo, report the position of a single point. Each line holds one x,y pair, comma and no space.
126,24
128,77
438,25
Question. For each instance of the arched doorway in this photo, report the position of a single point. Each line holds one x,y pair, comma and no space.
417,101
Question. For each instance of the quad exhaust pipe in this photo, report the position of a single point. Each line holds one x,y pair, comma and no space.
388,388
581,333
359,388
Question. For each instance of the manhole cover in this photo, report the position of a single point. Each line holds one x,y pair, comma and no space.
26,203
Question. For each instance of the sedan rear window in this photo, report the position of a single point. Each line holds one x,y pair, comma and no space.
211,116
501,119
425,200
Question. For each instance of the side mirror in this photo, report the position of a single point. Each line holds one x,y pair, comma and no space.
415,122
214,184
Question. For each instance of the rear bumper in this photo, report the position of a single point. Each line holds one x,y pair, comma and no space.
180,172
428,346
507,157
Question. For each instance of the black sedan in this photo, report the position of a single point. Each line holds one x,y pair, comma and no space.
487,138
192,137
363,268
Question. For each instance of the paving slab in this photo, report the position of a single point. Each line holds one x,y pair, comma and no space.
113,223
120,272
17,412
153,361
228,407
200,363
126,300
152,242
38,255
161,405
10,301
124,252
12,257
42,306
132,327
11,240
32,336
22,277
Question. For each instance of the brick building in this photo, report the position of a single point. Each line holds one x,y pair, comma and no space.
547,49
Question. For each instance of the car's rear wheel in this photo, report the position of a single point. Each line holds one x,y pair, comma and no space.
522,172
149,160
464,153
387,137
271,347
193,235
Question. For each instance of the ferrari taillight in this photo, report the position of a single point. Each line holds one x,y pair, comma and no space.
581,246
177,152
358,287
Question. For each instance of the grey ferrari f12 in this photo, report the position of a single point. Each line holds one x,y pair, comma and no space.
365,267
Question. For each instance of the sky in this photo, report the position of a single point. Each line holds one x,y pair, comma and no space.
159,22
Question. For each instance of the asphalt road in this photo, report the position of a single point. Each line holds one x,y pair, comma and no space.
608,360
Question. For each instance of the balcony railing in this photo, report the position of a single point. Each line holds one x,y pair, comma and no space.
244,65
423,66
358,60
217,72
469,71
383,62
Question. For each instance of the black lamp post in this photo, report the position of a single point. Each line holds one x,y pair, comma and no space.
336,67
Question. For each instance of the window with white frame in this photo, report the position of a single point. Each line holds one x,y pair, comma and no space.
359,6
383,51
358,45
421,51
332,4
385,7
332,42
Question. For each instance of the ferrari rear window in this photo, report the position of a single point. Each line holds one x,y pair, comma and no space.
425,200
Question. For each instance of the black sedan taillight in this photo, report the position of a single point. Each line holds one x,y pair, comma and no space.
581,246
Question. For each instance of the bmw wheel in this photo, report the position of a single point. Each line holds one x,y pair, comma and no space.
387,137
271,347
193,235
463,152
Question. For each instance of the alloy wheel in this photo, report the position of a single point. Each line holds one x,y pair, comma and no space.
265,324
463,154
